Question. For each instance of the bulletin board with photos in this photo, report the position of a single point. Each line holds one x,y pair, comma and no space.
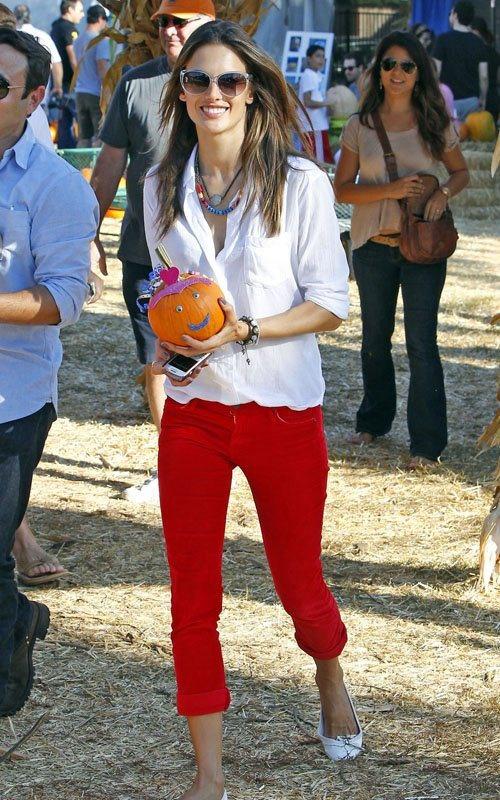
294,59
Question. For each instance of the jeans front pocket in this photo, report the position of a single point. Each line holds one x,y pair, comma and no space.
291,417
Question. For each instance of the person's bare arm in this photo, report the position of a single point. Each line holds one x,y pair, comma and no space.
57,77
483,82
102,67
70,50
309,103
109,168
307,317
348,191
456,166
34,306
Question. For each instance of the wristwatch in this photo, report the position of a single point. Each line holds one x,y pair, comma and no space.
445,191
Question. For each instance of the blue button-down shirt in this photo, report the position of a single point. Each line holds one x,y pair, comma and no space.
48,218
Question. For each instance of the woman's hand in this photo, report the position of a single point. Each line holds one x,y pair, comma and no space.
162,355
410,186
233,331
436,206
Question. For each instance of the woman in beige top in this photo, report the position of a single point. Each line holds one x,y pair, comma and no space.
403,88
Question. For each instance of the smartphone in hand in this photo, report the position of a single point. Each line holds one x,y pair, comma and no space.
181,367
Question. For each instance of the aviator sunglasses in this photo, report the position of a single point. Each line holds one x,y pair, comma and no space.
388,64
5,87
231,84
177,22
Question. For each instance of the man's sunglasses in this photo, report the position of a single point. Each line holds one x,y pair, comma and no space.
166,21
5,87
231,84
388,64
349,69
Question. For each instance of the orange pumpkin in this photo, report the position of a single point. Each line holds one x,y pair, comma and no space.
86,172
185,304
463,131
481,126
115,213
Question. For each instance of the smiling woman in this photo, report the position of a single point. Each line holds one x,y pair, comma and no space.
233,200
403,98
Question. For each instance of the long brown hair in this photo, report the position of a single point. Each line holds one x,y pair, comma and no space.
271,121
427,100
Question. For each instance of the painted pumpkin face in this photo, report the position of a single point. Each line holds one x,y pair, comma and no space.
185,304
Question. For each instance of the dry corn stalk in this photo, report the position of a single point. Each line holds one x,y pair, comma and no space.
132,27
491,434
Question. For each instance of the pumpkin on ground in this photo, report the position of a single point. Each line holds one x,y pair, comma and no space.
185,304
344,102
115,213
481,126
463,131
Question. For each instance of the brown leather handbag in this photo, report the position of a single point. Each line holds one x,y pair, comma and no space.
422,241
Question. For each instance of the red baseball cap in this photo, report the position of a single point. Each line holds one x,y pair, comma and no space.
185,9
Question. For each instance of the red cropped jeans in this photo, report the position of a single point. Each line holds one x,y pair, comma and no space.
284,457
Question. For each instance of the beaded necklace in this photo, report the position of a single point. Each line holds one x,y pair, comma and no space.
205,198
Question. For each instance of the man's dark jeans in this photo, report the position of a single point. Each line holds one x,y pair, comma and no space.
380,270
21,445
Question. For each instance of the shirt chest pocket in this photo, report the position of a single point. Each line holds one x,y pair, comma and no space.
267,261
15,229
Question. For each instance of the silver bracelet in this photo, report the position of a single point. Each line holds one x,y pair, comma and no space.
253,335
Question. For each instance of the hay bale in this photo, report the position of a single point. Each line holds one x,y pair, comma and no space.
343,100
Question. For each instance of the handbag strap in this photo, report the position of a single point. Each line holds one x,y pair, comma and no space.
389,157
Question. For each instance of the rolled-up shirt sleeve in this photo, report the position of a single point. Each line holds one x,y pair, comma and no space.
321,268
150,203
62,229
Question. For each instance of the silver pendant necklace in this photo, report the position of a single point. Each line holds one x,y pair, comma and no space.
215,199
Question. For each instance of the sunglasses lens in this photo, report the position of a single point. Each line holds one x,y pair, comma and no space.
408,67
232,83
388,64
4,88
167,22
195,82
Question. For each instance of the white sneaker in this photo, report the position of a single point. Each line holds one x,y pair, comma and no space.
147,492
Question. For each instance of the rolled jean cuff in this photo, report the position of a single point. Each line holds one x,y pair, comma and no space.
325,655
194,705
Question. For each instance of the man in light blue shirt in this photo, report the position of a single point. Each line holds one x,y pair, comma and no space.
93,63
48,218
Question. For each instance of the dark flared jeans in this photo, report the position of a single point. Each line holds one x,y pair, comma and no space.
380,270
21,446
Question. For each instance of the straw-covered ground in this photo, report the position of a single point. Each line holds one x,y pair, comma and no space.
400,551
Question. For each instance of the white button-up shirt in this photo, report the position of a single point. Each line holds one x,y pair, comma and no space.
262,276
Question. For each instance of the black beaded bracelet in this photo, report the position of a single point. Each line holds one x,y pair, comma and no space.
253,330
253,335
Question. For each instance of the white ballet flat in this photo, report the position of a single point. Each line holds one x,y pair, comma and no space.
342,748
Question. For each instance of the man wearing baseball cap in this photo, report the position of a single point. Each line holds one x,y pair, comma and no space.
131,131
